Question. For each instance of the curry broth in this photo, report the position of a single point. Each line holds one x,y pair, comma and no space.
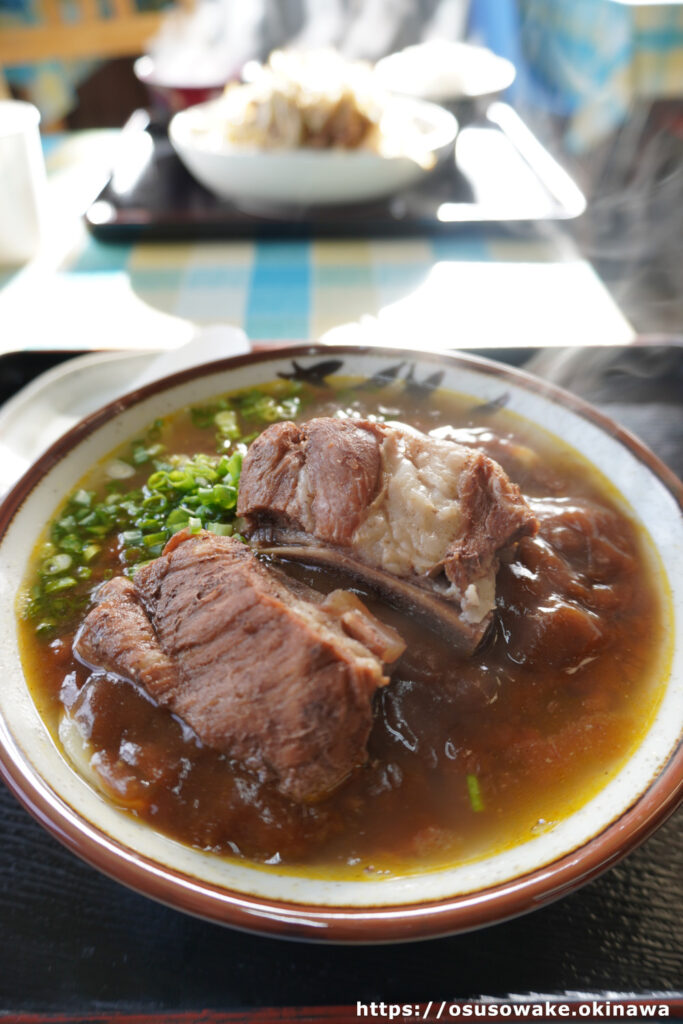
538,725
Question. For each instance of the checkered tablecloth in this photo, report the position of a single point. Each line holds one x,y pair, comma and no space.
296,289
472,289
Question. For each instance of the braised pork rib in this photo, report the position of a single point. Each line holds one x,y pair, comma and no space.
420,518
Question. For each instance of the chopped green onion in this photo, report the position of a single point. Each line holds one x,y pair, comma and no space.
71,543
235,465
157,481
177,527
181,480
203,417
221,529
178,515
154,431
474,793
226,423
147,523
63,526
264,407
89,519
134,520
58,584
152,539
155,502
57,564
99,531
224,496
131,537
89,552
140,455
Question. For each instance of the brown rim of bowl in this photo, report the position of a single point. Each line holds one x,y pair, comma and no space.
394,923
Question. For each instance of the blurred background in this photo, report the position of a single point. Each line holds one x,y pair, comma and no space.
599,82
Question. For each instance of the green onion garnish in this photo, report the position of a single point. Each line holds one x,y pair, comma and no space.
56,564
149,496
474,793
58,584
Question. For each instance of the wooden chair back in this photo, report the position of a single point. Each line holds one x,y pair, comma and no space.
122,32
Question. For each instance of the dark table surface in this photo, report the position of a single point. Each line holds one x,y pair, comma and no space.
71,940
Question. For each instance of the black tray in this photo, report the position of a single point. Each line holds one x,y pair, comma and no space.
501,174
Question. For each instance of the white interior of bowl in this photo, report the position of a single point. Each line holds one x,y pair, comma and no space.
25,736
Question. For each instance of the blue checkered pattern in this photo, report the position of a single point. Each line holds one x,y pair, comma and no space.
287,290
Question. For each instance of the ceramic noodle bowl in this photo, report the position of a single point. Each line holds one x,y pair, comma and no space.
323,904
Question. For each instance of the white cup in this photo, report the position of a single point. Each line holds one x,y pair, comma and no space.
22,181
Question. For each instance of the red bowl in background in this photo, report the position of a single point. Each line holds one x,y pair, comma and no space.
171,97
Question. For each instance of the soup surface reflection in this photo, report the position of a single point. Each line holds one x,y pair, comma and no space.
467,756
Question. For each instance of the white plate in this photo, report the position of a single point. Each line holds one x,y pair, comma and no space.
307,177
52,403
444,71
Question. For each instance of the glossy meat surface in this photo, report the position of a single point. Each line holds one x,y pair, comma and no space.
118,637
416,507
274,680
319,477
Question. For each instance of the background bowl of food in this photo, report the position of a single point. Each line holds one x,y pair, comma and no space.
345,644
311,129
171,90
455,74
